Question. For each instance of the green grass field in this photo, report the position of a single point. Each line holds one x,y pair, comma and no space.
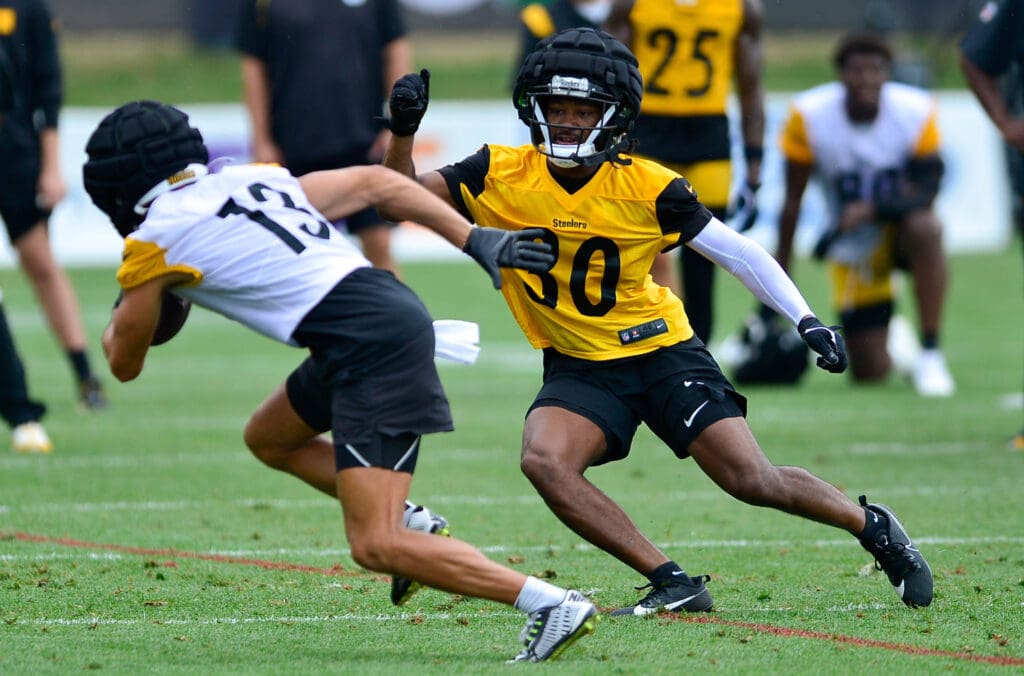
107,70
151,542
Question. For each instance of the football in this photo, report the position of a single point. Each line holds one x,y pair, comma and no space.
173,314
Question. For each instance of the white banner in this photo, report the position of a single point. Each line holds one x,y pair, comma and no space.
974,204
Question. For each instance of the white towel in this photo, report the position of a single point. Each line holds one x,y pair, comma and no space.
456,340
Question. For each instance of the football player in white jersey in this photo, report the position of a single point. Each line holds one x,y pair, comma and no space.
253,244
875,146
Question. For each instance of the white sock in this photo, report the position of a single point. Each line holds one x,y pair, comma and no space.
537,594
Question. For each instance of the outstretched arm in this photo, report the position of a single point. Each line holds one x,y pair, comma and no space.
339,192
764,277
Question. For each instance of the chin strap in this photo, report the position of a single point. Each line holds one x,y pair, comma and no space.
186,176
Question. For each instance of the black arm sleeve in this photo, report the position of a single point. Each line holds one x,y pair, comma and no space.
252,29
470,172
679,211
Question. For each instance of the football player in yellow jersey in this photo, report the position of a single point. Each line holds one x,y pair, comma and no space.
618,348
690,56
874,144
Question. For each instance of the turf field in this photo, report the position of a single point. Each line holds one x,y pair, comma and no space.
151,542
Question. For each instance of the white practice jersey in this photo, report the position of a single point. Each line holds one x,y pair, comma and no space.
256,249
859,160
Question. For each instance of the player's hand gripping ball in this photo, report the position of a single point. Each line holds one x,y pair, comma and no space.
173,313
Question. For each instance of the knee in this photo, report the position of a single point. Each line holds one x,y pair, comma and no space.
922,228
542,466
759,488
261,446
373,551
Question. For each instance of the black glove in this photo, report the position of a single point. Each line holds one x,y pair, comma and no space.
493,248
826,342
744,212
408,103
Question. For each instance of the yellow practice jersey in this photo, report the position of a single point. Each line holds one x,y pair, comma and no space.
685,50
598,301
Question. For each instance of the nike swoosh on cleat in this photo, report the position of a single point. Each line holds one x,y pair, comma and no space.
689,421
676,604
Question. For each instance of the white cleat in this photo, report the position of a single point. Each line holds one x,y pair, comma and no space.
902,345
931,375
30,437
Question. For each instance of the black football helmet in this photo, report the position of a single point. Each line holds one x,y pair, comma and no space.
773,353
587,64
137,152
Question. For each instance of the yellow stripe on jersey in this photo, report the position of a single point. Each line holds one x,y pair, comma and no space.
929,142
145,261
538,20
606,236
793,141
685,50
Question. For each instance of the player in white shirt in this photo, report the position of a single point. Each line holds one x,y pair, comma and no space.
874,145
253,243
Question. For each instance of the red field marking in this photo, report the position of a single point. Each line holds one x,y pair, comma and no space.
788,632
335,570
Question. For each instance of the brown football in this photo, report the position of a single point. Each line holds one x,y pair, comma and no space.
173,314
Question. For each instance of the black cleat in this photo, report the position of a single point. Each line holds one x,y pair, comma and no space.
898,558
90,394
682,593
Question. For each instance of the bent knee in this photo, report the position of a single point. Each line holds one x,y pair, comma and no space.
373,552
267,452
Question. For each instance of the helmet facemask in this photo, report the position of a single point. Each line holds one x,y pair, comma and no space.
587,151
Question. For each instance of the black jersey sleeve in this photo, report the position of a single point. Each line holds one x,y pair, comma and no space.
996,37
47,91
679,210
251,31
392,22
469,172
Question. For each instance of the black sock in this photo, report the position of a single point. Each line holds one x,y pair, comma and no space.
666,571
80,363
930,341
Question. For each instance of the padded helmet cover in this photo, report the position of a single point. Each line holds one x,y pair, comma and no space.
609,67
133,149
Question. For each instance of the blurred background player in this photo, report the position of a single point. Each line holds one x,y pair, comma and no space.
16,408
538,20
31,183
315,74
690,55
875,147
992,59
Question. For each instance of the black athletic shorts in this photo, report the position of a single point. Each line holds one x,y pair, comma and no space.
677,391
370,377
18,179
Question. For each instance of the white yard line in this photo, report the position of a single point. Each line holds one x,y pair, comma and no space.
335,553
475,500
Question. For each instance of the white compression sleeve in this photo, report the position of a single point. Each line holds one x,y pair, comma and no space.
751,264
